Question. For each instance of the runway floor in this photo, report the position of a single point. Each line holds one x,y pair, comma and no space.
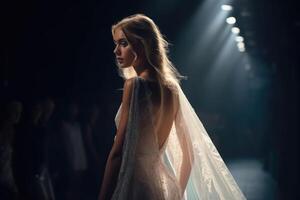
255,183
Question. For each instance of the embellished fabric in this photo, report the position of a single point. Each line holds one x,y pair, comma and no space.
187,166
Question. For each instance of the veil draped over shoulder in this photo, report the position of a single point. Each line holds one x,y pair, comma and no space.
188,166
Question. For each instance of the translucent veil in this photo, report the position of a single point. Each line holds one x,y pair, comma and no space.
209,177
190,157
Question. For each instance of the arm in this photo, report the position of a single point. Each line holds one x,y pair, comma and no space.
115,156
187,162
187,152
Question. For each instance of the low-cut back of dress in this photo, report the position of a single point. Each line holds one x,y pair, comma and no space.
148,172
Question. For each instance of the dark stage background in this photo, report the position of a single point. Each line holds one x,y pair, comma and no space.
58,77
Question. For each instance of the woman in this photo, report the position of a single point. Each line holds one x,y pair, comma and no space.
161,150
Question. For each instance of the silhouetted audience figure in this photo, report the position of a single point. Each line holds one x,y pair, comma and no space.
91,130
41,150
76,160
46,157
10,115
56,154
26,159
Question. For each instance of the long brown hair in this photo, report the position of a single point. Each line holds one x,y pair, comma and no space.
144,35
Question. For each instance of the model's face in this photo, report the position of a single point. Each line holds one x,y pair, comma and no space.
125,55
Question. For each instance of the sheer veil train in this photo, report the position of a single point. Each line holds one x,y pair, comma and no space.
188,157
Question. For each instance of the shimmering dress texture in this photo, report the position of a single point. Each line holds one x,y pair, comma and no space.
148,172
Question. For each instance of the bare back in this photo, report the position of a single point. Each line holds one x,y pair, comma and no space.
164,110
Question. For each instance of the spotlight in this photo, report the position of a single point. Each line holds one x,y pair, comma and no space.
241,45
226,7
235,30
242,49
239,39
231,20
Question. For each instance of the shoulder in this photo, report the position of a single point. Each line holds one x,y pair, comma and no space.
128,88
128,83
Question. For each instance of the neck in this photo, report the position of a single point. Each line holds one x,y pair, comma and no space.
143,70
140,69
